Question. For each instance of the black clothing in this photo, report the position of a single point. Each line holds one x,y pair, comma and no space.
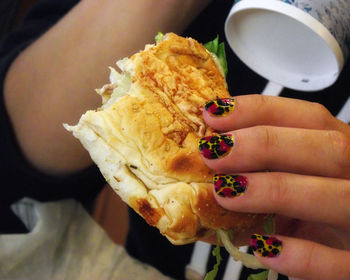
143,242
8,10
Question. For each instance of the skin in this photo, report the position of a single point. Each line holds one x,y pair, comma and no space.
306,152
52,82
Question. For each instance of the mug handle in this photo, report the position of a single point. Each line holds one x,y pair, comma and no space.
272,89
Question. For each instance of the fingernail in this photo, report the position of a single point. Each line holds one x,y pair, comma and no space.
230,185
218,146
220,107
266,246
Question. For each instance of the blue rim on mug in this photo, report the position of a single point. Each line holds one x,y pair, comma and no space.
326,22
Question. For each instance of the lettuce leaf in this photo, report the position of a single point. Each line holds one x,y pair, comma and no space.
159,37
213,46
216,253
269,224
219,50
259,276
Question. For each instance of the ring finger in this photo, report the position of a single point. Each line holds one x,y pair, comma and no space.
294,196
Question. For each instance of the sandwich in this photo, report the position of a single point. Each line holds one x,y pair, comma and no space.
144,138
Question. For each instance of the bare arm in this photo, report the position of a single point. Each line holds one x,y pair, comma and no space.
52,81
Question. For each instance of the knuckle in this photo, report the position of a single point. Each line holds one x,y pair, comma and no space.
269,138
340,147
323,114
263,100
344,201
279,191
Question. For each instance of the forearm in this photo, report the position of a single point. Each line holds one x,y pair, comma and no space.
52,81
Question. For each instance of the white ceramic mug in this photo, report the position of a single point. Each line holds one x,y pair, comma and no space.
298,44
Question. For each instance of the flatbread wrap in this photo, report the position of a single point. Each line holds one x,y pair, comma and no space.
144,138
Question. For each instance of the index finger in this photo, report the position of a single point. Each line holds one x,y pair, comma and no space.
252,110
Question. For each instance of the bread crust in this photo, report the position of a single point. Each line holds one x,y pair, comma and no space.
146,142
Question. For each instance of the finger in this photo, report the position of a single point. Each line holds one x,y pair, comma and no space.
301,151
252,110
291,195
300,258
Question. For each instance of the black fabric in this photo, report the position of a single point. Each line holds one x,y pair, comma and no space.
146,244
143,242
8,9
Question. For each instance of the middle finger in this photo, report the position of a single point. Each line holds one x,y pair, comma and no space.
302,151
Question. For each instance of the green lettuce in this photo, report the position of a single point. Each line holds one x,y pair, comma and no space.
219,50
259,276
159,37
269,224
216,253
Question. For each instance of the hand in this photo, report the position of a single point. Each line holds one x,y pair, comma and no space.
306,152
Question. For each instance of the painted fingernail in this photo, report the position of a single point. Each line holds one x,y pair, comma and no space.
220,107
230,185
266,246
218,146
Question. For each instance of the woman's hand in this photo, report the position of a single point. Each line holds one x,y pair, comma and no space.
291,158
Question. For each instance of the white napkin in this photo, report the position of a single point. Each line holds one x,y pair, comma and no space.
65,243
